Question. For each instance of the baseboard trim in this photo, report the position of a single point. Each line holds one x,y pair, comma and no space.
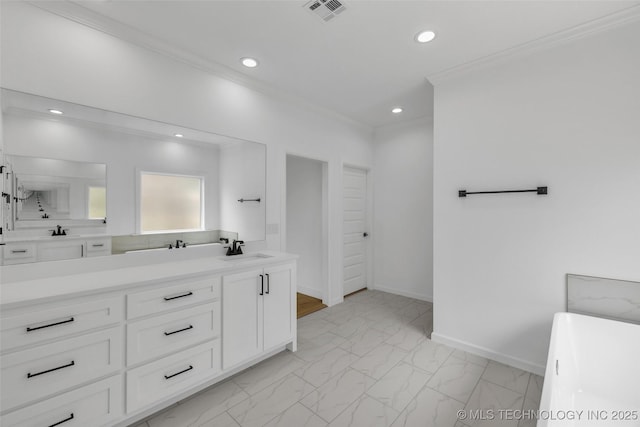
489,354
310,291
413,295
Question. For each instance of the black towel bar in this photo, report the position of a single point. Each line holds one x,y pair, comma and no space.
539,190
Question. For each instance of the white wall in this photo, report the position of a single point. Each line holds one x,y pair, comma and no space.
51,56
305,222
403,209
124,155
569,118
242,176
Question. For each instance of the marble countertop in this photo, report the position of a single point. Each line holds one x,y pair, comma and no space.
122,275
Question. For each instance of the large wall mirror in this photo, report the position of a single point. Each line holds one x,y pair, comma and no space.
76,165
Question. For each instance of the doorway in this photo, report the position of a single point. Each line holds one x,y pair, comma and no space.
307,223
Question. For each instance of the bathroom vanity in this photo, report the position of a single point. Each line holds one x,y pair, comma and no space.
92,335
19,251
131,334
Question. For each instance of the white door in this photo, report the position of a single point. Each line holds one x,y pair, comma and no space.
354,229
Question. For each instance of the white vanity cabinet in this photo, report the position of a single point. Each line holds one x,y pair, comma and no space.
167,321
143,338
258,312
61,361
55,249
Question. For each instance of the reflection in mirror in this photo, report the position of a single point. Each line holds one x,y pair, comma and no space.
92,141
58,189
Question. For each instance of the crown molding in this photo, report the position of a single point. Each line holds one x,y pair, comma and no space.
595,26
75,12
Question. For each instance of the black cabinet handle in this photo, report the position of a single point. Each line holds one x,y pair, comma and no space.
261,284
178,296
179,330
30,329
21,251
30,375
97,245
178,373
69,418
268,282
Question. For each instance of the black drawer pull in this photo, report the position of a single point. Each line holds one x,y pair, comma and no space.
29,329
261,285
178,373
179,330
21,251
97,245
178,296
268,283
69,418
30,375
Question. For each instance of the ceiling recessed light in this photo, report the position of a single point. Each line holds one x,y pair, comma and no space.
178,135
249,62
53,111
425,36
396,110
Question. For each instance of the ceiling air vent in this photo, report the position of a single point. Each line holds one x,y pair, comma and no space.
325,9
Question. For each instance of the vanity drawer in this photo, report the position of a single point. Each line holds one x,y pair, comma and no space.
98,246
161,335
158,300
31,374
155,381
21,327
95,405
17,253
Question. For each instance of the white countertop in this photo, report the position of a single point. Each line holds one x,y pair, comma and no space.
122,275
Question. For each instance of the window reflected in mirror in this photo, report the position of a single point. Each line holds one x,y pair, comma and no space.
97,202
170,203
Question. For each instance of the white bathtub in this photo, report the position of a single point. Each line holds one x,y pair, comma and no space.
592,376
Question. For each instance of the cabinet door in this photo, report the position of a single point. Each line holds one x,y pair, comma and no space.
279,305
54,251
241,317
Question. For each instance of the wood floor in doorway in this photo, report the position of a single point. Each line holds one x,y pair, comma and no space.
308,305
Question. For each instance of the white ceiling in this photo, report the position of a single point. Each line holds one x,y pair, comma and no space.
363,62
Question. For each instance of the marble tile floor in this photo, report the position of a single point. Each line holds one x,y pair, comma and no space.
366,362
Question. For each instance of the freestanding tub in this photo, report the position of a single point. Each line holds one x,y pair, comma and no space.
592,376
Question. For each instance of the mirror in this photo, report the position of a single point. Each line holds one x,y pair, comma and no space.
57,189
58,163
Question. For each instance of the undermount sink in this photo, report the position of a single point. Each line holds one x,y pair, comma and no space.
245,257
